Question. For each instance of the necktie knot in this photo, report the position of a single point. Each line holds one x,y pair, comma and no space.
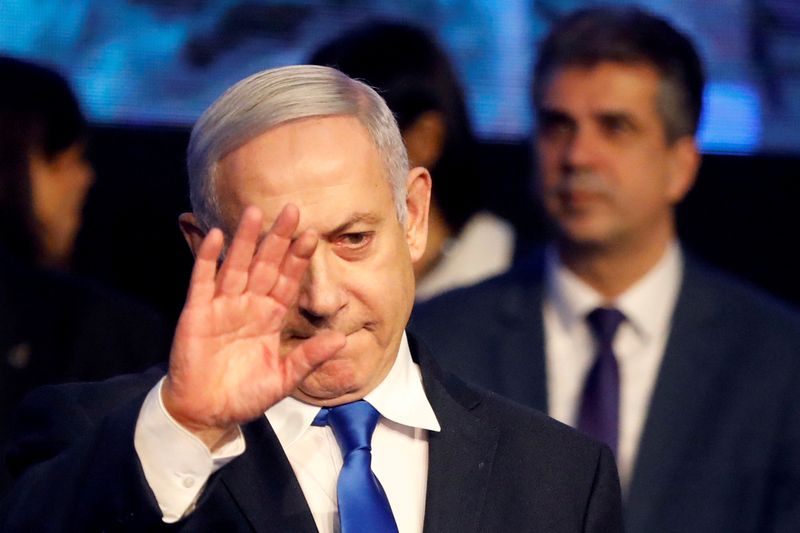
604,322
353,425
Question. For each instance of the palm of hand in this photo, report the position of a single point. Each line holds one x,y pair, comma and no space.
238,371
226,367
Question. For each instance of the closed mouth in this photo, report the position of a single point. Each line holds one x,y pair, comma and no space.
304,334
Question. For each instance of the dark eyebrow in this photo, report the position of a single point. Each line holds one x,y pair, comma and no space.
622,117
550,120
367,218
615,115
546,114
357,218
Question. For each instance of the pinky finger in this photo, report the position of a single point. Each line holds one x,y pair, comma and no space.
202,283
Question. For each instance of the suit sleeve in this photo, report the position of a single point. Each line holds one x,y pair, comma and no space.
76,471
604,512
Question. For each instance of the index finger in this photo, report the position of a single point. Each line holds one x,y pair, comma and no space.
232,277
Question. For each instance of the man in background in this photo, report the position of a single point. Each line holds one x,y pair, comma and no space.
689,376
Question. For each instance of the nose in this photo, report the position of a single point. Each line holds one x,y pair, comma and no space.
322,293
580,150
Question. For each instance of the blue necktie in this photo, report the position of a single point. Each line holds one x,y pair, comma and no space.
599,410
363,506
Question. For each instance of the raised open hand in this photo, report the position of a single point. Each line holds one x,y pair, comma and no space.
225,366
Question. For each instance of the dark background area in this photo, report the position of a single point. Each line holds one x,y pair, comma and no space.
741,215
137,64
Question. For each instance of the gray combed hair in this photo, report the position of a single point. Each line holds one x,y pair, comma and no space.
273,97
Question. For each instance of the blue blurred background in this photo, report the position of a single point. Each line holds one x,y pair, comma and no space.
162,62
145,69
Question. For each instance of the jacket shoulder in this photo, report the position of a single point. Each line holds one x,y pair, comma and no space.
738,302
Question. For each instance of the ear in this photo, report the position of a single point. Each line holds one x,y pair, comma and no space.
191,230
418,199
684,165
424,139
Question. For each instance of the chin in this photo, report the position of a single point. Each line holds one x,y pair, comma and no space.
333,379
583,228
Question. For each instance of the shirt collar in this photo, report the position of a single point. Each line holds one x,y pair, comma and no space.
647,305
400,398
571,298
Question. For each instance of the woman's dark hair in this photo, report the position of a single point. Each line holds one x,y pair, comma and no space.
413,74
38,114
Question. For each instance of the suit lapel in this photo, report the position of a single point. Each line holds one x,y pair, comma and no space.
692,366
264,486
460,456
460,459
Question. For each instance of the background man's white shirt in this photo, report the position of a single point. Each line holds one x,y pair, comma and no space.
639,344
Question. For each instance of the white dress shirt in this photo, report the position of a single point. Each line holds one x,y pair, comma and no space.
177,464
638,345
484,248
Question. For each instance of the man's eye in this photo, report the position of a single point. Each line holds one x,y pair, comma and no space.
355,240
616,125
556,129
553,125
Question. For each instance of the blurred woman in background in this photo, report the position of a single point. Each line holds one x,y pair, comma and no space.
54,327
44,174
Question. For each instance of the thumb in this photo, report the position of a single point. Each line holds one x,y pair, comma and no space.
314,351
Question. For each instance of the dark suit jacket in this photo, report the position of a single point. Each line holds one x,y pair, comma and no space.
495,466
55,329
720,449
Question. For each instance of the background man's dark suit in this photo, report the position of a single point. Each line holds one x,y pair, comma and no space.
493,467
55,329
720,450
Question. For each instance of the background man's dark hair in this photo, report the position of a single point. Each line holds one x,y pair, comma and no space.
628,35
413,74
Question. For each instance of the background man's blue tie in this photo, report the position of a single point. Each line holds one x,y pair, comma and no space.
363,506
599,411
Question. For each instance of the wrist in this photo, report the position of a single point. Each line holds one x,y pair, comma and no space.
212,436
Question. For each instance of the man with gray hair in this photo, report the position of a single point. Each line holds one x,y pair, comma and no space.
294,401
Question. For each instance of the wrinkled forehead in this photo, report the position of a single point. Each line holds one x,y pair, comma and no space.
320,164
